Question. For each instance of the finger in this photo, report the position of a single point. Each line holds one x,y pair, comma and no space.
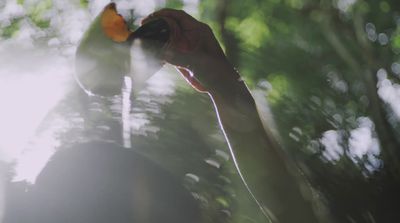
177,39
178,15
147,18
192,80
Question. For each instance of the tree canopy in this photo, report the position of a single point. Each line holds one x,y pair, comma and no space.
325,72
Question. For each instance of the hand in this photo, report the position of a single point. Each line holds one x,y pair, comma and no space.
194,49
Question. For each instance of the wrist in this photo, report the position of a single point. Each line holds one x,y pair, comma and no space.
226,83
215,73
235,95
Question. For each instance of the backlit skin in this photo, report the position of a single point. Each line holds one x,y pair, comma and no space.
194,50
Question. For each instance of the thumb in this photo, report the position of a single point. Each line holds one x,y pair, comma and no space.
192,80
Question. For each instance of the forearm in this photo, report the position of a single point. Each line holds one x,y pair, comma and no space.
193,46
257,156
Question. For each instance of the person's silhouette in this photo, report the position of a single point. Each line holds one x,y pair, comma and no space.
101,182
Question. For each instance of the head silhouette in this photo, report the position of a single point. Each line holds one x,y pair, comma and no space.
102,182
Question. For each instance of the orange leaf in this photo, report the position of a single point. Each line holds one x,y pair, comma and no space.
113,24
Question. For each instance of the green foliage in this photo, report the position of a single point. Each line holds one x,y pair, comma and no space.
320,59
84,3
174,4
396,40
11,30
321,62
37,12
281,87
384,6
253,32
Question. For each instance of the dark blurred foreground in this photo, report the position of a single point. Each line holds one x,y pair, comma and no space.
101,182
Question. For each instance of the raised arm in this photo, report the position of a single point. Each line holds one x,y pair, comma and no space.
195,51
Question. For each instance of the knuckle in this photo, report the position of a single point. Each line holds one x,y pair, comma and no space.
205,27
163,10
183,13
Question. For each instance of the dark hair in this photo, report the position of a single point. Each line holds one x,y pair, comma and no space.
101,182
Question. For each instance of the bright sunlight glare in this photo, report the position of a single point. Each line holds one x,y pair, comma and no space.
29,89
